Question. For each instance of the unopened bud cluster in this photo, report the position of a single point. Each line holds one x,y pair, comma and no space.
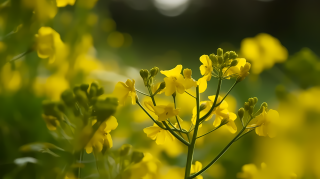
149,76
222,60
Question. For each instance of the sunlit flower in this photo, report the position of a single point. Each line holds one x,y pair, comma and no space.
157,133
174,81
124,90
205,105
163,112
196,168
63,3
189,81
49,45
234,70
244,71
263,51
264,123
102,137
51,122
206,70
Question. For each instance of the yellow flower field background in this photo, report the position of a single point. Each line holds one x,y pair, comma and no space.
89,89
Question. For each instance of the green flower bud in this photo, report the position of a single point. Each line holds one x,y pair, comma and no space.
93,91
144,73
246,106
250,110
226,56
50,109
84,87
220,60
154,71
68,98
220,52
137,156
251,101
203,106
264,104
255,100
76,88
233,55
125,150
100,91
234,63
162,86
81,97
241,113
213,58
96,84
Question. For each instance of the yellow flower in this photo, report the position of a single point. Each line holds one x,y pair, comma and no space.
196,168
265,122
102,137
174,81
63,3
123,90
51,122
162,111
206,105
43,9
160,135
235,70
244,72
155,87
189,81
49,45
263,51
206,70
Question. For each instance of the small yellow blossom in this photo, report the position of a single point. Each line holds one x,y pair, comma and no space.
206,105
163,112
49,45
206,70
244,72
234,70
51,122
157,133
196,168
63,3
263,51
155,88
174,80
189,81
265,122
102,137
124,90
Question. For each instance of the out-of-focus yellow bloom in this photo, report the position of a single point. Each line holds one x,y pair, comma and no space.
63,3
160,135
87,4
196,168
206,105
206,70
115,39
43,9
49,45
234,70
51,122
87,64
163,112
263,51
265,122
10,79
249,171
148,168
124,90
189,81
174,80
244,71
102,137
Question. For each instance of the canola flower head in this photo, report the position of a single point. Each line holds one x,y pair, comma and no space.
158,134
102,137
264,125
244,72
124,90
189,81
163,112
174,80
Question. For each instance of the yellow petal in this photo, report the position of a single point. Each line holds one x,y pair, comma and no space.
232,127
174,72
170,86
121,91
202,82
111,124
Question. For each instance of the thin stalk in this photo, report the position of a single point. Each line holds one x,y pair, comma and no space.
142,93
209,132
149,114
244,134
218,156
190,94
227,93
194,138
80,161
175,107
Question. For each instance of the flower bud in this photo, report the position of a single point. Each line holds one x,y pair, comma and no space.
213,58
226,56
100,91
250,110
251,101
84,87
246,106
220,60
68,98
144,73
233,55
162,86
137,157
154,71
264,104
220,52
125,150
255,100
241,113
234,63
203,106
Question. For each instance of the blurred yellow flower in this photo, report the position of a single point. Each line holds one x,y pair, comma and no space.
148,168
163,112
43,9
205,105
265,121
206,70
234,70
49,45
51,122
157,133
196,168
102,137
124,90
63,3
189,81
174,81
263,51
10,78
244,72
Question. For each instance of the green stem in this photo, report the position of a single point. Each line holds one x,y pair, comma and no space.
190,94
142,93
227,94
149,114
209,132
218,156
80,161
194,138
175,107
